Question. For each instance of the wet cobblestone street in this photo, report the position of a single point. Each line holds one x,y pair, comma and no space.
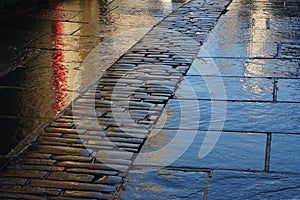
203,105
49,48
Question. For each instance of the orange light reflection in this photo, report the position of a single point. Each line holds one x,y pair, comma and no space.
60,70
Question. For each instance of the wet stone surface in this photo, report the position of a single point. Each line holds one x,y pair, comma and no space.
233,150
247,185
285,158
88,151
240,116
288,90
164,184
286,68
43,51
243,89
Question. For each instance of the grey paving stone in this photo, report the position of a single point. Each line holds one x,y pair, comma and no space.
13,181
65,176
58,139
20,196
290,49
240,116
95,172
44,142
30,190
114,155
99,136
125,135
23,173
285,155
164,184
113,144
62,124
254,89
109,161
73,158
238,151
34,161
215,48
93,147
83,194
112,180
94,166
125,140
64,130
60,150
288,90
51,134
36,155
272,67
245,67
129,130
247,185
20,167
72,185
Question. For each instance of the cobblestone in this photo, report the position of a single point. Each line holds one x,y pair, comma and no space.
13,181
5,195
59,150
24,174
72,185
64,176
73,158
21,167
31,190
82,194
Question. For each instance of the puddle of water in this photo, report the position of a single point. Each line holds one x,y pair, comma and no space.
62,35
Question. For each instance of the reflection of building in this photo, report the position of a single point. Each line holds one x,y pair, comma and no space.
60,71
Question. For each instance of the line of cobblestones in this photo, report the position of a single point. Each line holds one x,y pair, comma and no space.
67,160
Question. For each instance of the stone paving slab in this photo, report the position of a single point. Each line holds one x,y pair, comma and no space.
242,116
286,68
164,184
238,89
288,90
247,185
284,158
231,148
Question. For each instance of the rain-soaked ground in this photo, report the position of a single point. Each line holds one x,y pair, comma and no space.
221,119
42,53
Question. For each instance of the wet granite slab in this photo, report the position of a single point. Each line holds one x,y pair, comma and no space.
255,89
288,90
240,116
247,185
238,49
164,184
285,153
238,151
287,68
